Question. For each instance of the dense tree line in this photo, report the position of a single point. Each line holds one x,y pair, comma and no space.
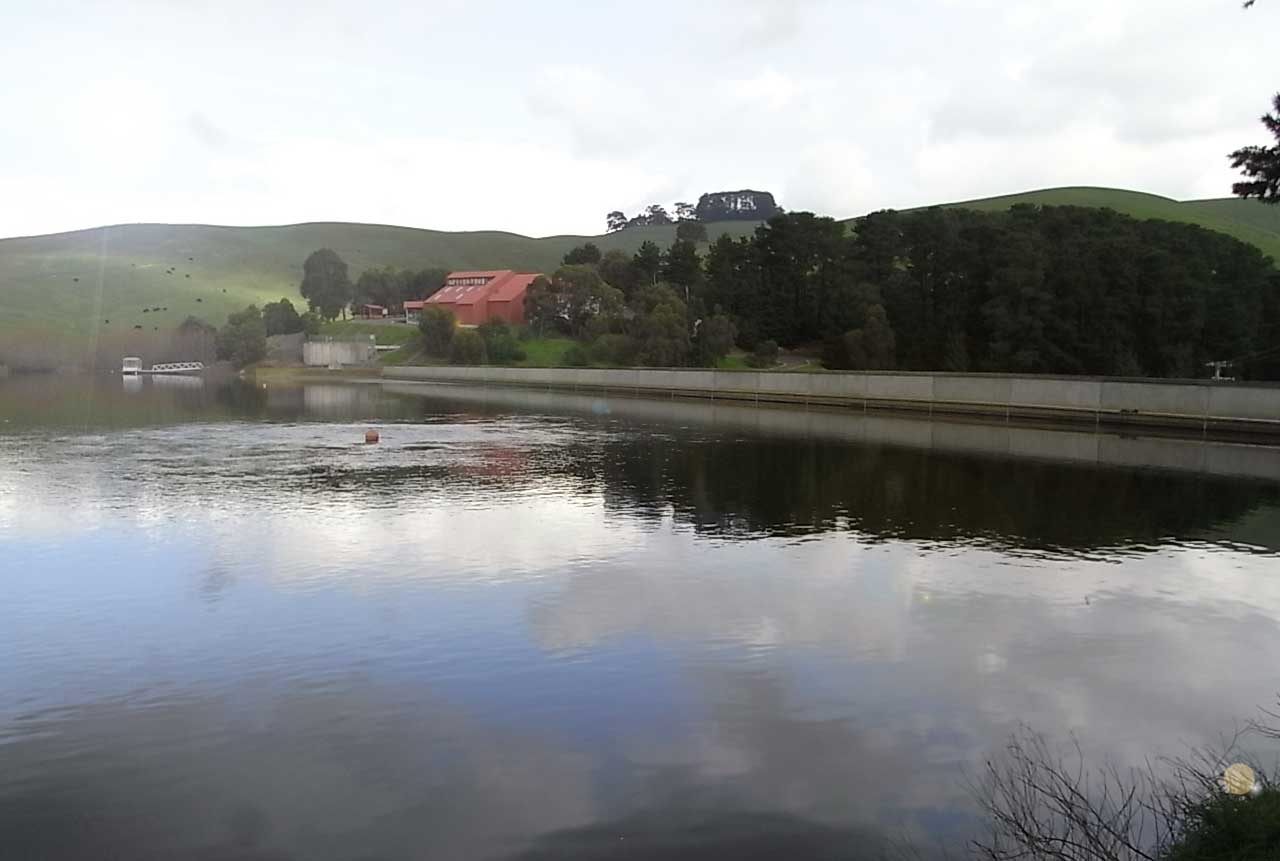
1041,290
633,310
329,291
390,287
1066,290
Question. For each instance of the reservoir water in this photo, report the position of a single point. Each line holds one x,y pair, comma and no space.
528,625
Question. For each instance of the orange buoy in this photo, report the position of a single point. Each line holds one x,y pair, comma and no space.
370,436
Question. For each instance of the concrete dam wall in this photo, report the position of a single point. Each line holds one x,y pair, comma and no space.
1202,405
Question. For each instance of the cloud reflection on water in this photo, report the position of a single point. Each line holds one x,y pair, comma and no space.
503,633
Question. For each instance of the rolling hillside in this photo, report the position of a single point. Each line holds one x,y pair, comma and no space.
62,292
68,285
1247,220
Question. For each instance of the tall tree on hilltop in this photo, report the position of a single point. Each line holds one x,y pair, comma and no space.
685,211
1260,163
615,221
325,284
656,214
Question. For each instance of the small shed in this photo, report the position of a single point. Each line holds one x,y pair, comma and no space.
413,310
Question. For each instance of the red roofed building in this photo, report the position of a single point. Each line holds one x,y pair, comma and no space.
474,297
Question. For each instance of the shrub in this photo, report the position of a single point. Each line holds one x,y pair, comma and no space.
613,349
765,355
281,318
716,335
1048,802
243,340
504,350
500,342
437,327
467,348
576,357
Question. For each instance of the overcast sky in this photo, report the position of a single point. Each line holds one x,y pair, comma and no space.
541,117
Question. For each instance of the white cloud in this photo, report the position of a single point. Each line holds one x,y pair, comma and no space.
835,175
495,115
769,90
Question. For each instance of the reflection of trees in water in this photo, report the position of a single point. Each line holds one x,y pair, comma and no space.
715,471
750,487
723,482
745,487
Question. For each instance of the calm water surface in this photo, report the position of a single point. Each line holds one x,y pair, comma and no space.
570,628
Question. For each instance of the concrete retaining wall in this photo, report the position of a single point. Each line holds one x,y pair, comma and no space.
326,354
1201,405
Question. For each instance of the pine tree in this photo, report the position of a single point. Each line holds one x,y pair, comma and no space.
1261,164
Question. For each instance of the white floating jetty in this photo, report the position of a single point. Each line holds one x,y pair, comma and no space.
132,366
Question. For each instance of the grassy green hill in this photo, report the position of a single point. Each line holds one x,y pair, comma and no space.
66,286
1247,220
58,292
